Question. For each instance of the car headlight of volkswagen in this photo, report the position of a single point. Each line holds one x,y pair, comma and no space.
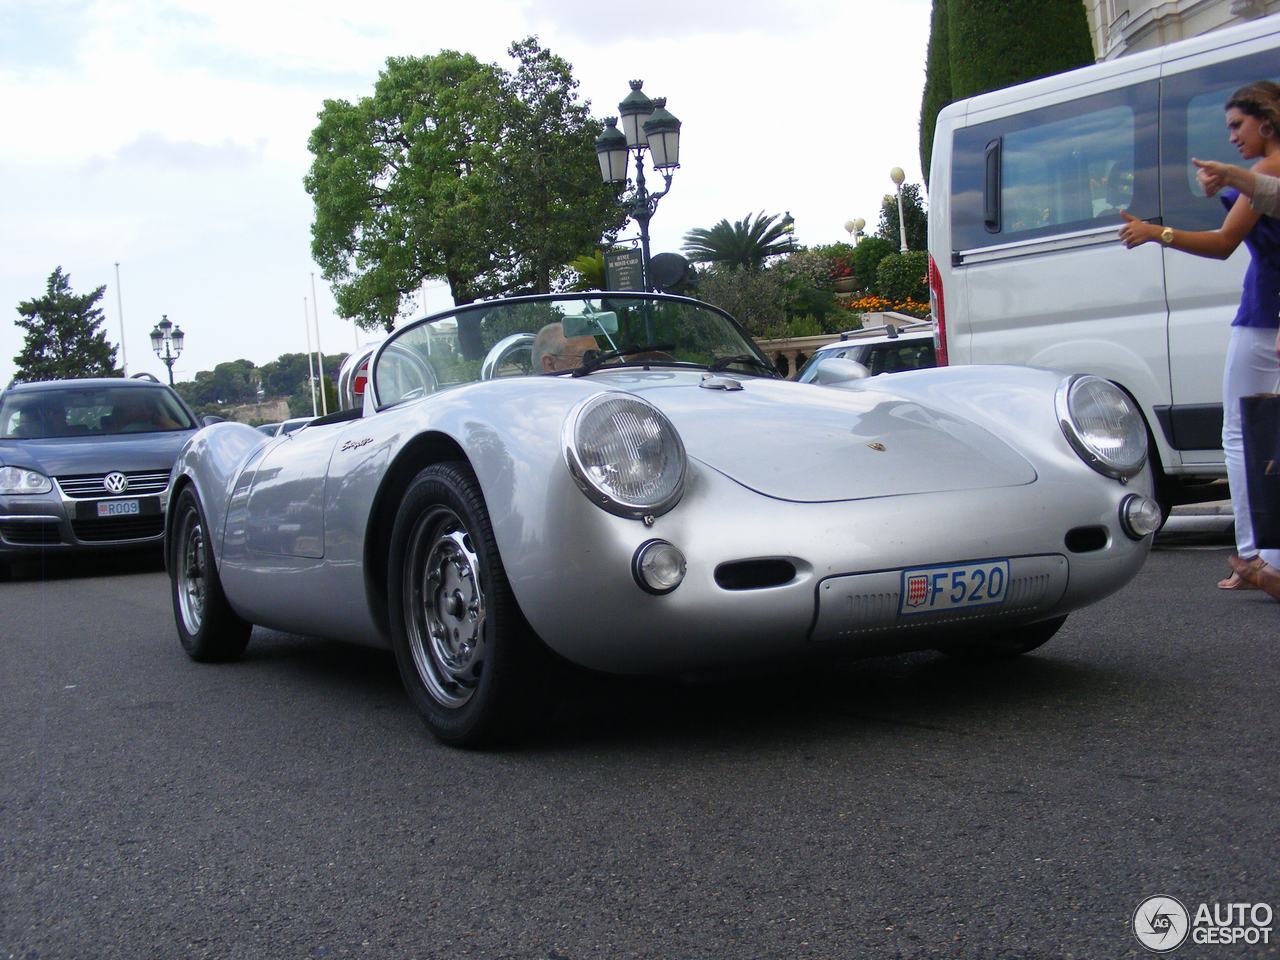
625,455
1102,425
16,480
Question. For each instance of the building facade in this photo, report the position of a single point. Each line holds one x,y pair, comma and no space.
1126,26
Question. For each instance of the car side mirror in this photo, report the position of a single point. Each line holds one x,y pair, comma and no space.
210,420
837,370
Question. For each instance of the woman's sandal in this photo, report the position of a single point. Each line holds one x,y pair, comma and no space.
1243,575
1257,574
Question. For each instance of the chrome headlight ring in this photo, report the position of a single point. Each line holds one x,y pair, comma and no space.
1102,425
625,455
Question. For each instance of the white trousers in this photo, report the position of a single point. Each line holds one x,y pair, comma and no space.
1252,367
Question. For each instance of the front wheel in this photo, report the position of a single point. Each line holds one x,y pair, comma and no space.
1006,644
466,656
208,628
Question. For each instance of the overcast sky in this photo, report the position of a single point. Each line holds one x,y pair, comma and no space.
170,137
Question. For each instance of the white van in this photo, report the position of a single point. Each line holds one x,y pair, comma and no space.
1024,263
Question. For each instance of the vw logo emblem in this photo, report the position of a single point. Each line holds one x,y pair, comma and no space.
116,482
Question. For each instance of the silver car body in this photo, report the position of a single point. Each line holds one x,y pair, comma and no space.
850,486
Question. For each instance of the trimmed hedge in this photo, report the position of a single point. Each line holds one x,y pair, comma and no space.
903,276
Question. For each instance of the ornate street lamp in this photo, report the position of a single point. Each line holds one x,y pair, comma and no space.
789,229
167,341
854,229
646,125
897,176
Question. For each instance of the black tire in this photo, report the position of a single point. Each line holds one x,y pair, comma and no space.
1006,644
208,628
468,660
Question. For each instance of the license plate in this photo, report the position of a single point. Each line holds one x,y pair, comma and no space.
118,508
929,589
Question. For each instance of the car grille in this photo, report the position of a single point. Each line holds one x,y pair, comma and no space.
31,533
88,485
118,528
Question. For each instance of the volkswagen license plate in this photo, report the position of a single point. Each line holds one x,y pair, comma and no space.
929,589
118,508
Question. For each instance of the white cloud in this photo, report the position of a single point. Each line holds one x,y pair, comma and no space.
171,137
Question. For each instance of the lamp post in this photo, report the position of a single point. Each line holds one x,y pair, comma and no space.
897,176
789,229
166,341
646,125
854,229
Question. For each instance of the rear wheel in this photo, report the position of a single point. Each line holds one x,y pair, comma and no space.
208,628
1006,644
467,659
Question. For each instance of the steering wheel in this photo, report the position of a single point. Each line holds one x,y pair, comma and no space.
516,348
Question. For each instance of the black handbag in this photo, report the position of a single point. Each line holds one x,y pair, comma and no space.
1260,423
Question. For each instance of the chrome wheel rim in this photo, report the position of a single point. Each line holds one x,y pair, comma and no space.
445,607
192,585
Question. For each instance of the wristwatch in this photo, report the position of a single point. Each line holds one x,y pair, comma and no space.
1166,236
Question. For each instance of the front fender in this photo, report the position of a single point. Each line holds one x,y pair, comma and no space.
211,461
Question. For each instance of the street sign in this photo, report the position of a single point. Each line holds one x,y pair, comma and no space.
623,270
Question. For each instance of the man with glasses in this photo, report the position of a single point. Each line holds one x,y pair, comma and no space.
552,351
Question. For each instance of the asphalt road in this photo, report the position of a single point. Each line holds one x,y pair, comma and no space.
292,805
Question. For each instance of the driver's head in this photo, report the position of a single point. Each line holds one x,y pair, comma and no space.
552,351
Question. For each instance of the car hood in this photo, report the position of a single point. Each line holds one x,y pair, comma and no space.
69,456
814,444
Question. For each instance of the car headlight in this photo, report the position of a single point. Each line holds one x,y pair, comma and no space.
625,455
17,480
1102,424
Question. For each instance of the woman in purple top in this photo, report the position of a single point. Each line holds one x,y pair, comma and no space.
1253,126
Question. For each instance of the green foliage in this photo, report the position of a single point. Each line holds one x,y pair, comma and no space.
937,82
997,43
455,169
981,45
550,202
866,258
61,338
589,268
913,212
902,276
745,243
758,299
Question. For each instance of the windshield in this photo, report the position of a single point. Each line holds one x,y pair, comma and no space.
89,412
559,335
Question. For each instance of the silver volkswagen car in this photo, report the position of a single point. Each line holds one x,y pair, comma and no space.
83,464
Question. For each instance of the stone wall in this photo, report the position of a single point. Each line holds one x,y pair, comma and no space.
268,411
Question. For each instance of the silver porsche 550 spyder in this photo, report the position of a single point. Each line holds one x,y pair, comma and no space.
623,481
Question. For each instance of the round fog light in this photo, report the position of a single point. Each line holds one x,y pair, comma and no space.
1139,516
658,566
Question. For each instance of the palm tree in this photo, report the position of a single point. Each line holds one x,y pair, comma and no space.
746,243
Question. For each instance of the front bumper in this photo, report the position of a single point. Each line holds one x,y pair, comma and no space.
1061,537
54,523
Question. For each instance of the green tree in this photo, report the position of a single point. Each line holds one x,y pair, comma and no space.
589,268
549,196
937,82
991,44
61,335
745,243
913,213
903,276
454,169
866,259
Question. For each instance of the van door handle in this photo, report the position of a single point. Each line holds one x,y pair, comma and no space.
991,187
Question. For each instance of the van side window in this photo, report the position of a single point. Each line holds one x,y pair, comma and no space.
1066,167
1193,124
